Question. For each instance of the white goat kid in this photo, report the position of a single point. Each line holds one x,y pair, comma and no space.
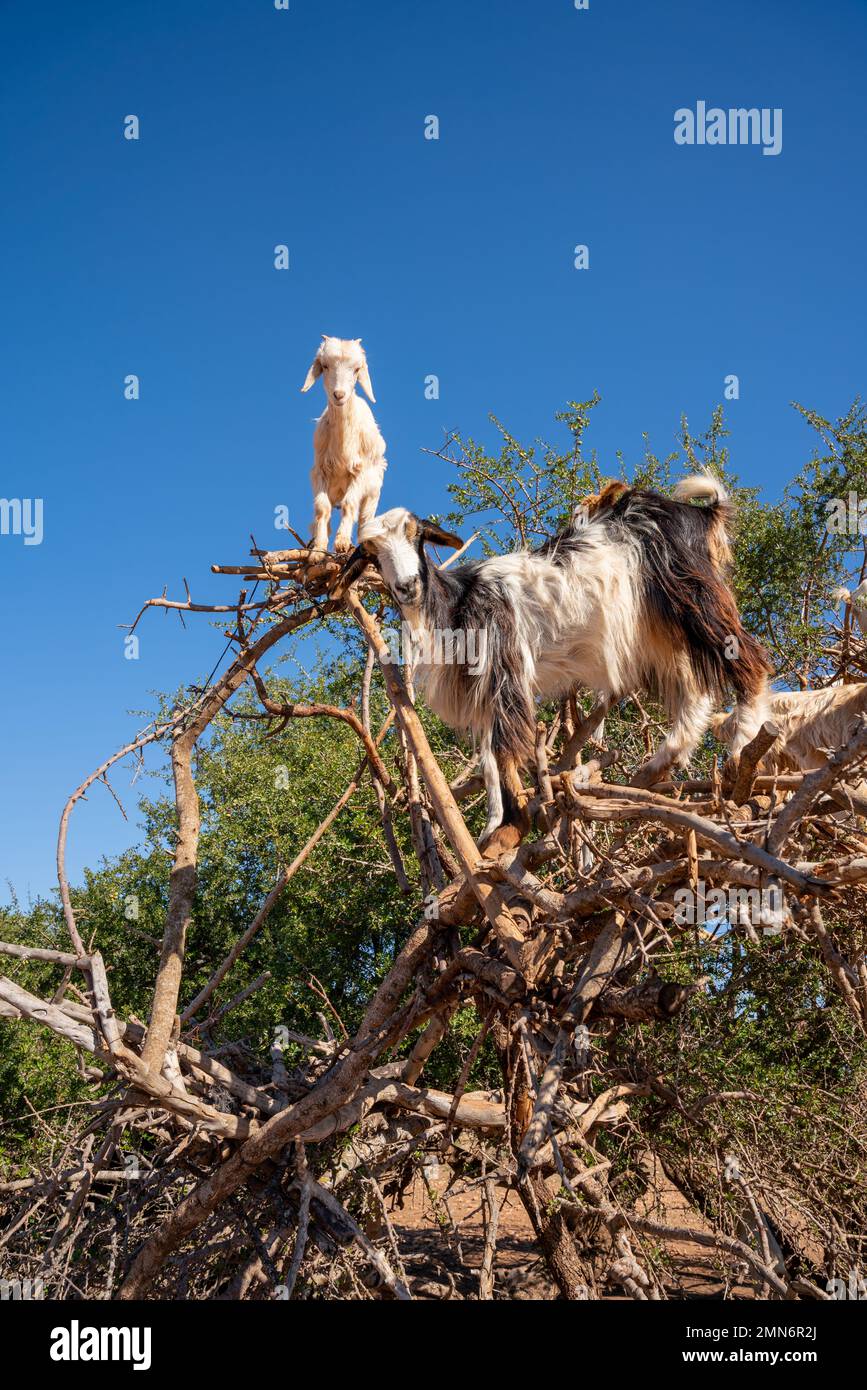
812,724
348,449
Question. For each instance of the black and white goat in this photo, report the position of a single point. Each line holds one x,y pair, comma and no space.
631,595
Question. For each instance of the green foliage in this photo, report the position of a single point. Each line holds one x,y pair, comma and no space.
524,493
37,1069
334,932
773,1064
788,561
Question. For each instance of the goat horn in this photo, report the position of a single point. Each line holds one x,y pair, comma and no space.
430,531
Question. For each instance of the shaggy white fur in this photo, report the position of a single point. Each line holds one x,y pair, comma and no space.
574,618
812,723
348,450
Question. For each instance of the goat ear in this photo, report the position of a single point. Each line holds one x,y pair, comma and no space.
429,531
364,381
315,371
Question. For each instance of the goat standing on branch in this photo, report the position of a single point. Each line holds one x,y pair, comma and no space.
630,595
348,450
812,725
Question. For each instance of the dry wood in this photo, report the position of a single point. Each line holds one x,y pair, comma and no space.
561,944
749,761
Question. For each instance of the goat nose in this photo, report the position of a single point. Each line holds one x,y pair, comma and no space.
339,395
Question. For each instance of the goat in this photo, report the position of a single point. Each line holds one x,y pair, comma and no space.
811,722
630,595
348,449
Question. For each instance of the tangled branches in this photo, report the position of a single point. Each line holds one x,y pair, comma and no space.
580,949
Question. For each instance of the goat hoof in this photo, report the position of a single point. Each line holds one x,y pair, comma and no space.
647,777
500,841
342,545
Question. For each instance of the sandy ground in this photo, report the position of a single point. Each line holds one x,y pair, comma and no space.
442,1240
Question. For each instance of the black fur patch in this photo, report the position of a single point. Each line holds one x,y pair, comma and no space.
684,590
465,600
682,587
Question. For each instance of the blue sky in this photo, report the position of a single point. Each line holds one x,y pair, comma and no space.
452,257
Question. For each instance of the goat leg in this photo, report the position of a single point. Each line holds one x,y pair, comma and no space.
321,517
352,500
515,822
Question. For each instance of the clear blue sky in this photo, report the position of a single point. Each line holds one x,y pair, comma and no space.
454,257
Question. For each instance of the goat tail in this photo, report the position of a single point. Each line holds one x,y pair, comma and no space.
701,485
718,513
